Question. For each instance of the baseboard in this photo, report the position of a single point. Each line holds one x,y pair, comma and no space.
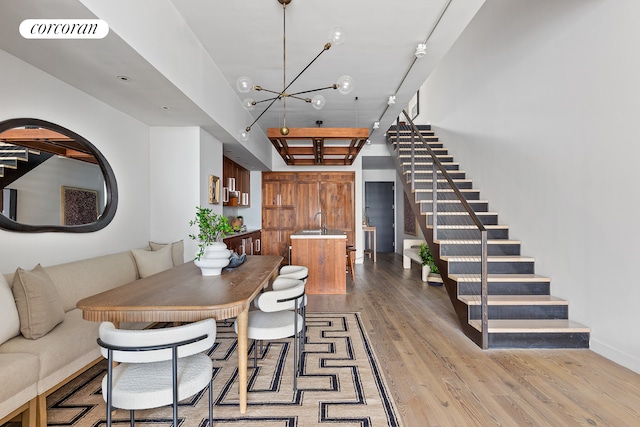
621,358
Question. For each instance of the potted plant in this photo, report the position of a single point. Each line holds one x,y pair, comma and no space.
213,255
427,259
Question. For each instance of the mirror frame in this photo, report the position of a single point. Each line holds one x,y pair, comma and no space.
111,186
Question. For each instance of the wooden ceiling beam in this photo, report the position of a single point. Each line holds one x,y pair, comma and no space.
316,149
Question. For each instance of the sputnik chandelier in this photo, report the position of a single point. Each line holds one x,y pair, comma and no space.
244,84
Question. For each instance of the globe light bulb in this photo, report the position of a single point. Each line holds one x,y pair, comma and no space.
318,102
284,130
248,104
244,84
345,84
243,135
337,36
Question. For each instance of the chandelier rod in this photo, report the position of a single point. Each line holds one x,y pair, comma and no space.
284,64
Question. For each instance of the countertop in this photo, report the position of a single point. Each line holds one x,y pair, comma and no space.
240,233
318,234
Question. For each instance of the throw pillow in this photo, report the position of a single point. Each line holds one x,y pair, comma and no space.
9,319
152,262
38,302
177,250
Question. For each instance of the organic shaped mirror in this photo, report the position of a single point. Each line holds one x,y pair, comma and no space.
52,179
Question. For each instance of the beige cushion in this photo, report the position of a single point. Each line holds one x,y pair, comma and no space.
19,373
177,250
152,262
80,279
63,351
38,302
9,319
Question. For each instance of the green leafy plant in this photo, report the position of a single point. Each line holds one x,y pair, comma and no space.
427,258
212,228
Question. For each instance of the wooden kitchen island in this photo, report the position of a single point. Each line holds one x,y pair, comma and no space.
323,253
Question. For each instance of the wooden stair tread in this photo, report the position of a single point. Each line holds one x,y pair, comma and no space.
477,242
531,326
490,258
446,190
468,226
514,300
464,213
440,180
500,278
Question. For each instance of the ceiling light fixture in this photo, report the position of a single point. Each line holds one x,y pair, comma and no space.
421,50
376,125
244,84
392,100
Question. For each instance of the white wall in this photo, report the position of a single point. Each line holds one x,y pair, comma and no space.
181,161
28,92
538,102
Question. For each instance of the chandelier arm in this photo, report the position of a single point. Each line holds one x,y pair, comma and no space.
261,114
268,99
312,90
301,99
308,65
280,94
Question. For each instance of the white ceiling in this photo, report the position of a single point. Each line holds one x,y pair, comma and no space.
245,37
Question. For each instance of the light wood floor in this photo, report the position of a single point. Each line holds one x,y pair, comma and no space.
438,377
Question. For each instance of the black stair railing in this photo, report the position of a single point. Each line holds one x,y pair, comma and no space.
446,209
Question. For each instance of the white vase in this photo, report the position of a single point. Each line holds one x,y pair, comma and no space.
214,259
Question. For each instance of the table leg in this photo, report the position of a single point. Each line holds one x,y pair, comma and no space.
243,324
375,248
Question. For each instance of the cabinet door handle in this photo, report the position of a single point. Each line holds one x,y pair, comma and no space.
257,245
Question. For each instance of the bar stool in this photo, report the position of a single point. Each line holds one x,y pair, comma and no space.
351,260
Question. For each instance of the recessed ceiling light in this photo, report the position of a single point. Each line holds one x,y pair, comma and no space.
123,78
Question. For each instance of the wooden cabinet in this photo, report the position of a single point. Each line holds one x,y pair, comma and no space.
240,194
279,200
308,205
246,243
337,197
290,201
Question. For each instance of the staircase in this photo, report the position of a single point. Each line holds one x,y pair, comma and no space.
521,312
16,161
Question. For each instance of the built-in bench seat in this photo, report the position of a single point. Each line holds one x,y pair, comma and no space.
32,367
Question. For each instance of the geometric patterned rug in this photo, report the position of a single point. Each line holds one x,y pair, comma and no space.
341,384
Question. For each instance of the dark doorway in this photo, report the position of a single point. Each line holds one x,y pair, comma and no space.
379,207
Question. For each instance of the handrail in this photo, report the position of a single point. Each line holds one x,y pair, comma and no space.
446,175
437,165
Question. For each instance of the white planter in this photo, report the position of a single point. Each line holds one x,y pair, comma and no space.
215,258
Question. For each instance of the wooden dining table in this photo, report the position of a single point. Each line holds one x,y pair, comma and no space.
183,294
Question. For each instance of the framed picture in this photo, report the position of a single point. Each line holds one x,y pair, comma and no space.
79,206
410,222
214,189
414,105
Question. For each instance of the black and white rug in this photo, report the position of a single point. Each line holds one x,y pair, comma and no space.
341,385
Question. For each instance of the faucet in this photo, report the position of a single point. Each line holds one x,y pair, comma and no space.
323,226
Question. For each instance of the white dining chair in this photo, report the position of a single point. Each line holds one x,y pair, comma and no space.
299,272
278,318
156,367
